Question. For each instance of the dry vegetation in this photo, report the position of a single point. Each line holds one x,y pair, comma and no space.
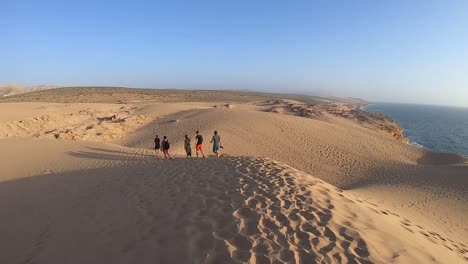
129,95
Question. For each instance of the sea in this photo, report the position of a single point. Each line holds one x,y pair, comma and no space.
437,128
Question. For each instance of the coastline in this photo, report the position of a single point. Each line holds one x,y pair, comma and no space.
345,108
411,142
413,119
363,108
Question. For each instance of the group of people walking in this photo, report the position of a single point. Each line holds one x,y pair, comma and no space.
164,145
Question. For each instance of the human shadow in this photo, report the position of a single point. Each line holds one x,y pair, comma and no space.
137,213
441,158
103,150
86,216
104,154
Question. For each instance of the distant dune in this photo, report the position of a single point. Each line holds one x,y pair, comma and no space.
301,179
12,89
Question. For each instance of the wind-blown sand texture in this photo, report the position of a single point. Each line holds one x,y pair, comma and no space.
349,194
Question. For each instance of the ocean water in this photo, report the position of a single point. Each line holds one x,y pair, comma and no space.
438,128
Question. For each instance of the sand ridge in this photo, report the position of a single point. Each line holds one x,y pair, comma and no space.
227,210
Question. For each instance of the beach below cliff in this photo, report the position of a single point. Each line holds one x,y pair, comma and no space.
299,180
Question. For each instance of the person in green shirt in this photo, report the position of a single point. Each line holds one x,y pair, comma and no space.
216,140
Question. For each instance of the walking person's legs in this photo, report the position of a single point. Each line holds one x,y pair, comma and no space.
216,150
216,140
200,149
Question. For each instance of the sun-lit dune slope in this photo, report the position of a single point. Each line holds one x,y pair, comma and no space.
342,152
87,123
430,188
84,121
338,151
122,205
348,109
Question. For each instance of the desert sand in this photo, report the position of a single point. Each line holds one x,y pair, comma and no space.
80,183
11,89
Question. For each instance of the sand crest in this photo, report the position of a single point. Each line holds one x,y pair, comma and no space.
228,210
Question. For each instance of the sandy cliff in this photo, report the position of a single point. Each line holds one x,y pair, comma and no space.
350,110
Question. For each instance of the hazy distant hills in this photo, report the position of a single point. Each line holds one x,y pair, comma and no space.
13,89
93,94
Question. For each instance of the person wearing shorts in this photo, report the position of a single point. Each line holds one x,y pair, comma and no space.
165,148
157,146
199,143
216,140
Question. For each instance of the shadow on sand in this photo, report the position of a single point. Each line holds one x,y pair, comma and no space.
105,154
439,158
149,212
434,170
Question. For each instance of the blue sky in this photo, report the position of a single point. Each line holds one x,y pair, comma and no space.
400,51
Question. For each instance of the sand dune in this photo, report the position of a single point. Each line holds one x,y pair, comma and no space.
86,124
338,151
96,122
349,194
134,208
323,110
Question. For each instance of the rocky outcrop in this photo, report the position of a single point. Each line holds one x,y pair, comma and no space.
381,122
349,111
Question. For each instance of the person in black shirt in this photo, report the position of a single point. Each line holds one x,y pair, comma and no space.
157,146
165,148
199,143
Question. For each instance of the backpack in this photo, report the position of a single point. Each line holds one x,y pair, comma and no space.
166,145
